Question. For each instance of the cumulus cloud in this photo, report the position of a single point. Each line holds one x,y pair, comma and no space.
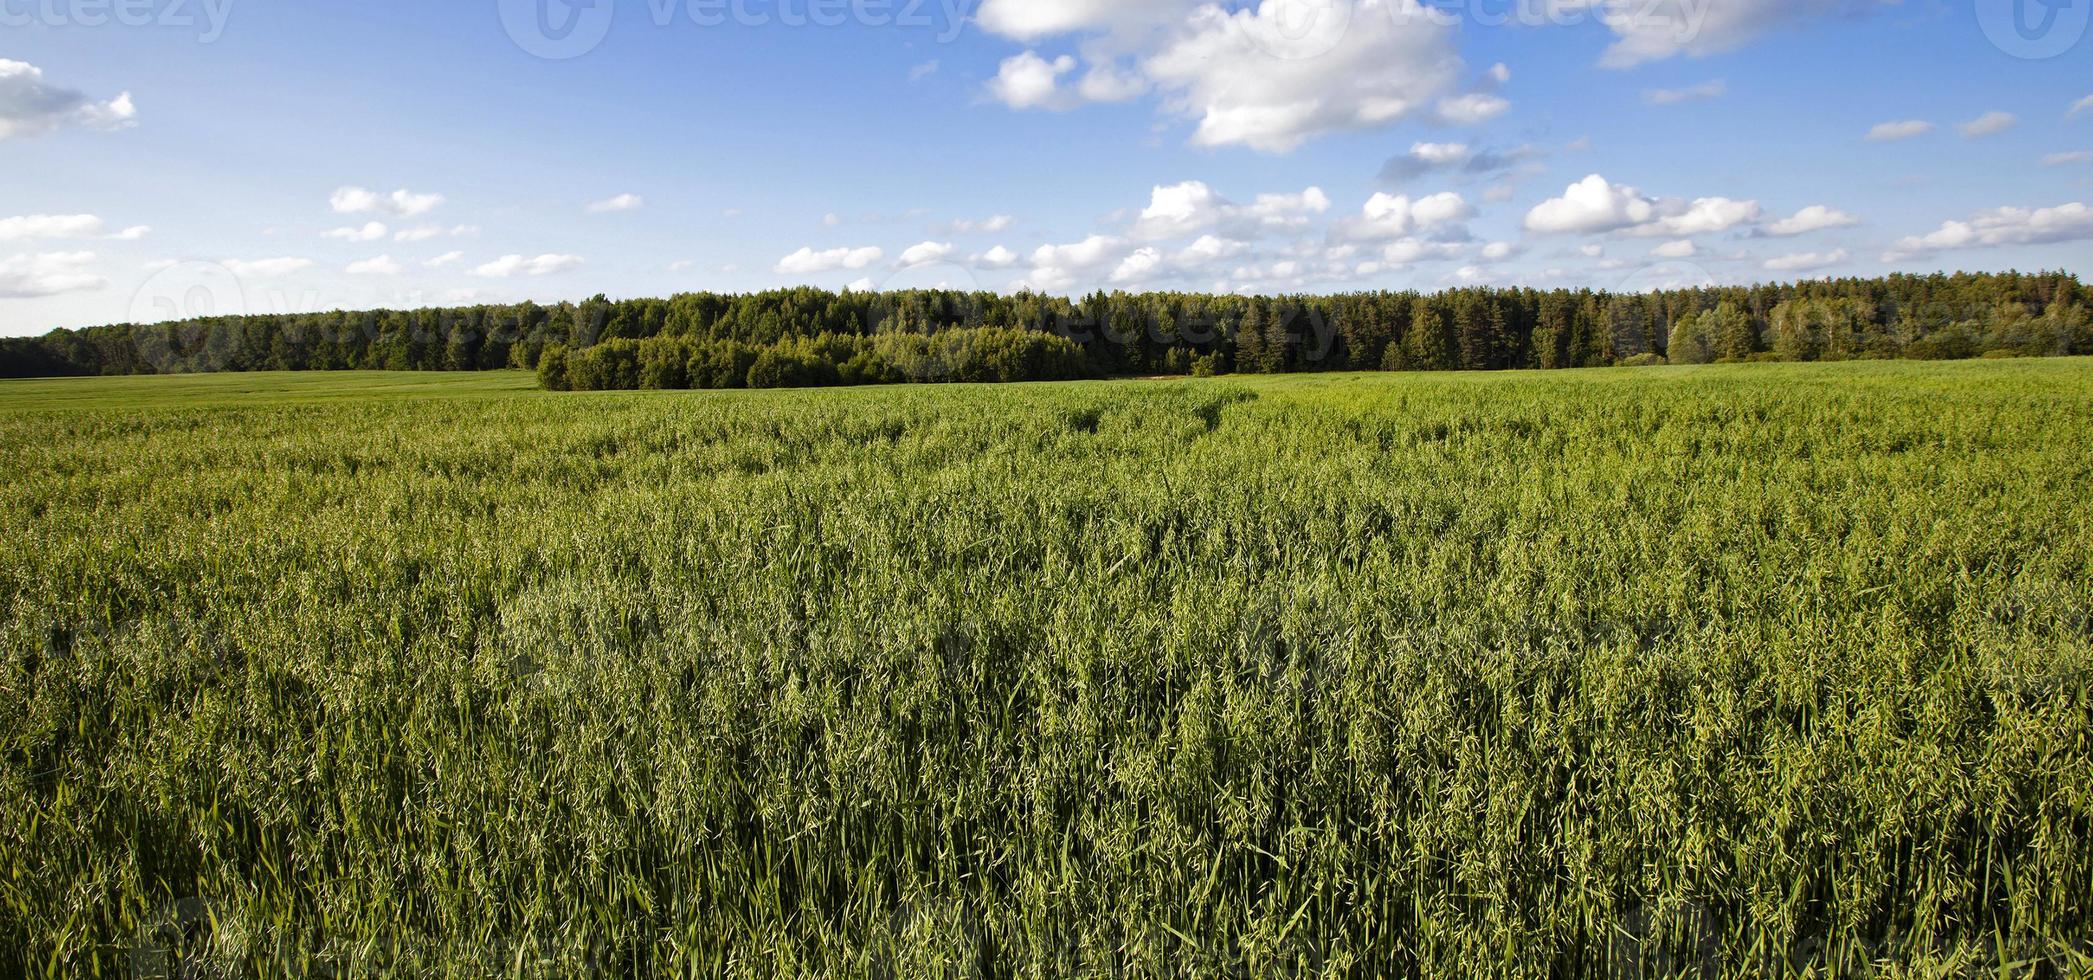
1890,132
29,106
1594,205
1500,251
1653,31
134,233
403,203
1590,206
996,258
808,262
1816,217
1692,93
1704,216
267,268
926,253
1679,249
1191,207
622,202
1057,267
1988,124
50,226
1139,265
370,232
2001,226
1028,81
446,259
1390,61
1806,261
48,274
1269,75
1391,216
383,265
1472,108
510,266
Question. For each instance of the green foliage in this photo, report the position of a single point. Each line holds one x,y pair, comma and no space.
981,355
1690,342
1777,670
2039,314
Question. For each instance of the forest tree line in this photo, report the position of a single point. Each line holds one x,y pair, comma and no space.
812,336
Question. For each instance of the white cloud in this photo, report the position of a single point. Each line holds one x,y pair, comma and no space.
1893,131
50,226
1030,20
1816,217
404,203
832,220
383,265
267,268
509,266
1650,31
1412,250
134,233
990,225
2081,106
1389,61
1269,74
30,107
368,233
1692,93
925,253
917,73
1389,216
1192,207
1500,251
1806,261
1591,205
1705,216
2065,159
2002,226
1139,265
622,202
1028,81
1988,124
1594,206
1472,108
1679,249
446,259
807,262
996,258
1057,267
862,285
48,274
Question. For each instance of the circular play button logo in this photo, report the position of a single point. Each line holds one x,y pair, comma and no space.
2034,29
557,30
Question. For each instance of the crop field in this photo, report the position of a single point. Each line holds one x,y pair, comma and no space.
1731,670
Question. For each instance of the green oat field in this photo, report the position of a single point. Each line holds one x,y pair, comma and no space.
1737,670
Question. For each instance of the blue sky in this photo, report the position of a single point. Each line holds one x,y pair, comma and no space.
186,156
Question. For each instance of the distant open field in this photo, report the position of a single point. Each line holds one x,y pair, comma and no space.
1755,668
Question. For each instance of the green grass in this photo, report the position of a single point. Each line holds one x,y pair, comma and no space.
1757,669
